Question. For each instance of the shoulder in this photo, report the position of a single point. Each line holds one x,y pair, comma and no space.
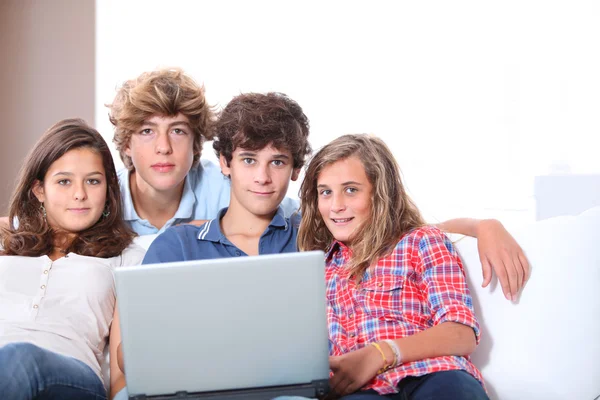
132,255
295,219
206,169
423,238
290,206
207,176
182,232
123,175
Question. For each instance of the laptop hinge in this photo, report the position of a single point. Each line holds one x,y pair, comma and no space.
178,395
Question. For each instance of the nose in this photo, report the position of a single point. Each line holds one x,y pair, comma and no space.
337,203
163,143
262,175
79,194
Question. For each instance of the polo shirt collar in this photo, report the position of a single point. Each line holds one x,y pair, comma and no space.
129,213
211,230
187,202
184,211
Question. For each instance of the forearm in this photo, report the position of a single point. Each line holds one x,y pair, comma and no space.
445,339
120,361
464,226
469,226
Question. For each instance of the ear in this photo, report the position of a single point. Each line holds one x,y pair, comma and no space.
295,174
225,168
38,191
128,149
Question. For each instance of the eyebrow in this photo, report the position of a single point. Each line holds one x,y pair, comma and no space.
343,184
72,174
172,124
253,154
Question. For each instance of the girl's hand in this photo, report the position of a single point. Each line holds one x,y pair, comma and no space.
353,370
499,250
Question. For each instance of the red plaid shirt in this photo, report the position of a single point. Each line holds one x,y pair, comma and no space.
419,285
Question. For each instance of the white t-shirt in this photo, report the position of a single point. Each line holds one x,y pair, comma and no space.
65,306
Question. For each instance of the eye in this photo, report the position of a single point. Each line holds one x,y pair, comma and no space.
178,131
325,192
146,131
278,163
64,182
93,181
248,161
351,190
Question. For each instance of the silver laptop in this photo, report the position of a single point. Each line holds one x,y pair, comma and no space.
230,328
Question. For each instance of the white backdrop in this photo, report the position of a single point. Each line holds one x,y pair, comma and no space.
475,98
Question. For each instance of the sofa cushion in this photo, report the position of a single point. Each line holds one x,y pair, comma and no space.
545,345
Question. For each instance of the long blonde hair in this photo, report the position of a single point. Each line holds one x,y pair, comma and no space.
391,207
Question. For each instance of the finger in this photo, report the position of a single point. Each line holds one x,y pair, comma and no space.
511,272
334,363
502,275
526,267
335,379
345,386
487,271
338,383
520,273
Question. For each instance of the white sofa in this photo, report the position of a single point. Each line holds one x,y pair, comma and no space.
547,344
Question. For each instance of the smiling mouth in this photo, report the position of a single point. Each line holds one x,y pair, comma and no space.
342,220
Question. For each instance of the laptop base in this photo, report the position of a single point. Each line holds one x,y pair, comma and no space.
315,389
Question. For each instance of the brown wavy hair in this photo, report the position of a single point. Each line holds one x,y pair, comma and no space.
32,236
392,212
255,120
165,92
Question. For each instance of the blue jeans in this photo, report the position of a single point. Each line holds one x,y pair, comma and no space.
31,372
446,385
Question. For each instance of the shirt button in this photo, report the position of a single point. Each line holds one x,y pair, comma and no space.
379,284
45,272
35,306
350,315
237,253
352,335
43,287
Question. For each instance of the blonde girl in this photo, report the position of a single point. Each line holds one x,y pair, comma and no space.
401,320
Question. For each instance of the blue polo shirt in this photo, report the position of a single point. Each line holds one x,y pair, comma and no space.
206,190
188,242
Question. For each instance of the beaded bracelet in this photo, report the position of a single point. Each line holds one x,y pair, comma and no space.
396,350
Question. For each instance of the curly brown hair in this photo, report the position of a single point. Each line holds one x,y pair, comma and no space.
255,120
165,92
392,213
28,233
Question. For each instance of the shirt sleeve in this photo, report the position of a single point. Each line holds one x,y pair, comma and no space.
448,295
167,247
132,255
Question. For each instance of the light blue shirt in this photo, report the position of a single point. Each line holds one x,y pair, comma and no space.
206,191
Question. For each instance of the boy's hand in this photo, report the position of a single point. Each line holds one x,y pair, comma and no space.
499,250
353,370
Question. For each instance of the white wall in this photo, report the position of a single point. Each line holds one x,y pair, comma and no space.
475,98
46,74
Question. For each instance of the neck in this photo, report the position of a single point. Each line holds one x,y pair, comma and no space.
62,241
239,221
153,205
